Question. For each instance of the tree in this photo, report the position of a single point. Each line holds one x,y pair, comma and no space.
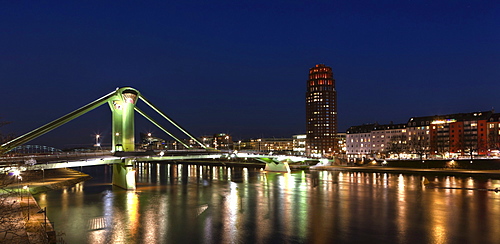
493,140
419,145
11,224
397,145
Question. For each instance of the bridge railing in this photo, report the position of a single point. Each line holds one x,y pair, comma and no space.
29,160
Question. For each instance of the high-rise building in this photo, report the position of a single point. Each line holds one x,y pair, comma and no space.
321,112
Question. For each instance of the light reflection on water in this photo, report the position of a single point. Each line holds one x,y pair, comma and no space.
216,204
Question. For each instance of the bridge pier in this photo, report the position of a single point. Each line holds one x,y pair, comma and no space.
124,174
272,165
277,167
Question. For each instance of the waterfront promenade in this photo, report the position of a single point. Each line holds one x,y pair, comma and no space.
25,220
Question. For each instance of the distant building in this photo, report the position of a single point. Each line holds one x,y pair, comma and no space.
321,112
358,142
274,145
493,134
439,136
299,145
341,141
374,141
223,141
149,142
244,145
208,141
459,134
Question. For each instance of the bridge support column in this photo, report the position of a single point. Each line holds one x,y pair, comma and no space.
273,165
122,109
124,174
277,167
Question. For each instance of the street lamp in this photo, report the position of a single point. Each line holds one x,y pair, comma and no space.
19,178
17,174
44,211
27,188
150,141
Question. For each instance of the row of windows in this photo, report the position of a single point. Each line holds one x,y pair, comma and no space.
421,123
318,100
482,135
324,75
419,133
315,96
469,141
319,118
320,68
321,88
363,151
320,82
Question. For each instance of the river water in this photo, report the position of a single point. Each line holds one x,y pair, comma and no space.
218,204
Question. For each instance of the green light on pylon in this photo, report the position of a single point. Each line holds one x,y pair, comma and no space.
122,109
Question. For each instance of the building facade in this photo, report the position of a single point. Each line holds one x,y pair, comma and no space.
440,136
272,145
321,112
299,145
222,141
341,144
149,142
493,134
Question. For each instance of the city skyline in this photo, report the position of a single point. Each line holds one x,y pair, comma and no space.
242,68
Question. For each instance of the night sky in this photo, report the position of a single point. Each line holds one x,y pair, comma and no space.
241,67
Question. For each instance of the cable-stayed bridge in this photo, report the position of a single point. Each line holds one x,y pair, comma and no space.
122,103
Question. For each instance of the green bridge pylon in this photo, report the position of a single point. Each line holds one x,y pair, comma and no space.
122,103
122,109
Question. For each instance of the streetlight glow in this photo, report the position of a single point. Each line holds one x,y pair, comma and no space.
27,188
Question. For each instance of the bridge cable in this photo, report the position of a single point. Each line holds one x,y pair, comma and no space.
159,126
170,120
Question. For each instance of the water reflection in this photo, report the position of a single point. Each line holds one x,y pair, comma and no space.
177,203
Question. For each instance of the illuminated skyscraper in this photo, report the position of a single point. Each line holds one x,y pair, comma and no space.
321,112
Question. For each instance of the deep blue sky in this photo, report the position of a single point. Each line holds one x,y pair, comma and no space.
241,67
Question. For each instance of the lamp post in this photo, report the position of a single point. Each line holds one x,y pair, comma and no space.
27,188
44,211
17,174
97,144
150,141
45,217
19,179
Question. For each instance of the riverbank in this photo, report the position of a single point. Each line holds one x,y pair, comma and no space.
26,221
380,169
491,173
